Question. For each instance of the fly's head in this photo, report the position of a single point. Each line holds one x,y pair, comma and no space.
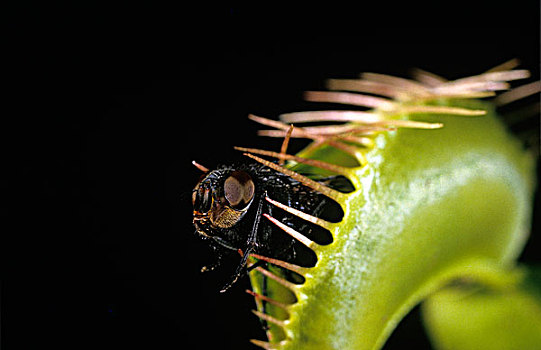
220,201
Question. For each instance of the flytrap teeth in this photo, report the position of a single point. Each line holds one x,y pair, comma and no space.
283,264
507,65
293,233
330,116
459,95
438,110
518,93
345,129
371,87
270,319
426,86
269,122
289,285
349,98
412,124
427,78
200,167
389,108
371,122
493,80
310,218
405,84
316,186
267,300
465,88
498,76
374,120
283,129
285,144
316,163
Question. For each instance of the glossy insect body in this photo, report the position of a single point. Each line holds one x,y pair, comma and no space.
230,205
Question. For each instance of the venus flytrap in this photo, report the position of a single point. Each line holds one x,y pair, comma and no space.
442,194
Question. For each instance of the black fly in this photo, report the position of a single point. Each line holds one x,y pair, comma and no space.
228,208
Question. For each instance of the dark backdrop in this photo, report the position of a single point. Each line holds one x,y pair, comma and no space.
109,104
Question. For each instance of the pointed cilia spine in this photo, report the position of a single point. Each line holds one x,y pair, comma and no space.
393,104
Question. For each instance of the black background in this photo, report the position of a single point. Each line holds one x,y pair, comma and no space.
107,105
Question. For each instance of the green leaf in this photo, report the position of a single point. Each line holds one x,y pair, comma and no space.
467,317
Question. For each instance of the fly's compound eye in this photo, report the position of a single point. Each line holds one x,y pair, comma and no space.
239,190
238,193
223,208
202,199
